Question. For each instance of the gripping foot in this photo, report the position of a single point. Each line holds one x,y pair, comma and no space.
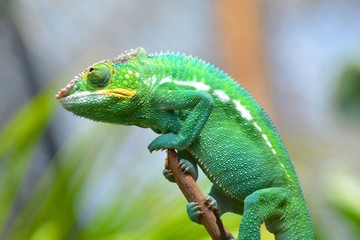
194,210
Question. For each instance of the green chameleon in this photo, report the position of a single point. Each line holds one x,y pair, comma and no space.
210,121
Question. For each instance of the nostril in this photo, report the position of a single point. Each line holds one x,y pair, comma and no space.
91,69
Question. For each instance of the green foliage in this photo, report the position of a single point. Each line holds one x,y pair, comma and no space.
19,139
345,195
348,92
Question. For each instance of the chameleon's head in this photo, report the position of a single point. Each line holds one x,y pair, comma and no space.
107,90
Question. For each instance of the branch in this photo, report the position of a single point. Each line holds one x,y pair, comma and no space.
210,216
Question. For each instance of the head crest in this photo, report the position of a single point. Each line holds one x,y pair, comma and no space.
127,55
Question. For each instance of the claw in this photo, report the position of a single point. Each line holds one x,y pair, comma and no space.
168,174
194,211
211,203
187,167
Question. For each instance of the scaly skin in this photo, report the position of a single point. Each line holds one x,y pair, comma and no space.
212,122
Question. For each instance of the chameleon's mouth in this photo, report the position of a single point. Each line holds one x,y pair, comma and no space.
118,93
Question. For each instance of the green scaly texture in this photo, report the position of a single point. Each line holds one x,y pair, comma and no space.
212,122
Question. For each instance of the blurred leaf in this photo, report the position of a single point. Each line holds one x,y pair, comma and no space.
344,197
19,138
348,92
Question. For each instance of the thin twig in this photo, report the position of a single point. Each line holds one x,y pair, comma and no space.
209,217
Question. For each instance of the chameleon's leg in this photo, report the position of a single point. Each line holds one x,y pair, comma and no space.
259,206
199,105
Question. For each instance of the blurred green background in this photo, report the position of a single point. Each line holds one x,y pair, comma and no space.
63,177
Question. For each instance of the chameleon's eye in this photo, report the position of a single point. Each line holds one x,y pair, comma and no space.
99,75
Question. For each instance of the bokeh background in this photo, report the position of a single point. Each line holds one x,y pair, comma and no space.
64,177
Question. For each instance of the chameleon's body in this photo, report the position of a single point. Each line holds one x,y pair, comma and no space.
211,121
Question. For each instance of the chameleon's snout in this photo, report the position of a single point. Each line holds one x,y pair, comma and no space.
63,92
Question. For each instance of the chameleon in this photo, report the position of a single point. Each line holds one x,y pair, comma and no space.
212,122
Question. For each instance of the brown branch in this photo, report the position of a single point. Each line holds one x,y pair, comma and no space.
209,217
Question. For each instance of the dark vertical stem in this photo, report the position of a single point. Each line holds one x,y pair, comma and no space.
32,88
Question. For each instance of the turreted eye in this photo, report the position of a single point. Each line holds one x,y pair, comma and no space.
99,75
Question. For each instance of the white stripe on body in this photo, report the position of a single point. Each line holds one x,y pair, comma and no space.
221,95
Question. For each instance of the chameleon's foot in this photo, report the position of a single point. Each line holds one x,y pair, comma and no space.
211,203
168,174
169,141
188,167
165,141
194,211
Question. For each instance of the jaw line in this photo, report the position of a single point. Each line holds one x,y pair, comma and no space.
117,93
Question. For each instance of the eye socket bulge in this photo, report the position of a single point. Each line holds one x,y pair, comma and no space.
99,75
